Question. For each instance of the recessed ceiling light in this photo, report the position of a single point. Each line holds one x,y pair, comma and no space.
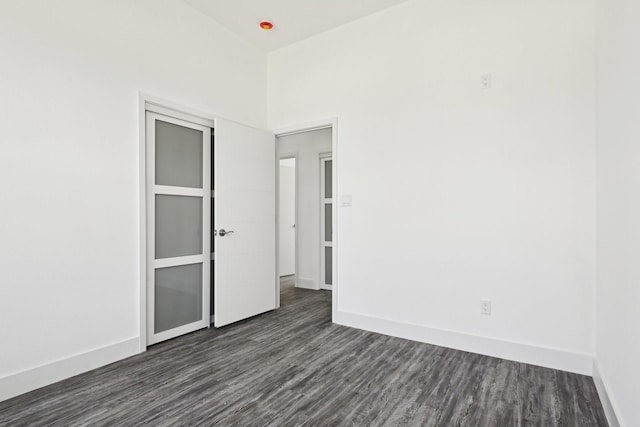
266,25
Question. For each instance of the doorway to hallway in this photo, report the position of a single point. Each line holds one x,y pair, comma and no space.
305,216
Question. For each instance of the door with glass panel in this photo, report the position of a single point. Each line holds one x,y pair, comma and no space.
326,221
179,226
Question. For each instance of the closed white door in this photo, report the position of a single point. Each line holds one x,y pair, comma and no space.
287,217
244,222
178,212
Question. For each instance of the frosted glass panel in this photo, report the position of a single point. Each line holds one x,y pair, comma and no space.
178,226
178,155
327,178
327,222
178,296
328,279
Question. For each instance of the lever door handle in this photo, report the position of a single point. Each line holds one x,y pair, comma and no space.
222,232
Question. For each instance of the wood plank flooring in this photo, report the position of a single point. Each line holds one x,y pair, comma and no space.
294,367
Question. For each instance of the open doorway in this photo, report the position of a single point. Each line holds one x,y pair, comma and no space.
305,210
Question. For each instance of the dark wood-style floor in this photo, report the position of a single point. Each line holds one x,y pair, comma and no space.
294,367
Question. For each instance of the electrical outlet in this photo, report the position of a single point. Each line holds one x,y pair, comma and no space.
485,307
486,81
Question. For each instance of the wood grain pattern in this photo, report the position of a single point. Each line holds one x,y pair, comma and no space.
294,367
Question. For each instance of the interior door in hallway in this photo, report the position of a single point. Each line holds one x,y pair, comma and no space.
287,217
326,221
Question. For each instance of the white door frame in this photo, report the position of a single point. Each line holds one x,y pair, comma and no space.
307,127
283,156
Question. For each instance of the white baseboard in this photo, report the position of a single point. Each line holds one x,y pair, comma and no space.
306,283
605,396
40,376
525,353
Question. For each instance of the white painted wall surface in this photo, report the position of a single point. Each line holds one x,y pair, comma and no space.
69,220
309,146
460,193
287,218
618,290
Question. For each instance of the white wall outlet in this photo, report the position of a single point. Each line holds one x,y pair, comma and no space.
485,307
486,81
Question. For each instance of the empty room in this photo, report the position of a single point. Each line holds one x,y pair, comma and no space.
322,213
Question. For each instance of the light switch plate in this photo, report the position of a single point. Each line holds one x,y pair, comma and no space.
486,81
485,307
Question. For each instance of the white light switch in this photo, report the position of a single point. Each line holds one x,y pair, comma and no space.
486,81
345,200
485,307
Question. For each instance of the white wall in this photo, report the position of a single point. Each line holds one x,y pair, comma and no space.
287,218
69,220
308,146
618,290
461,193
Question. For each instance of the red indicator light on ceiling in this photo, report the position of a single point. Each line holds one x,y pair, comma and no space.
266,25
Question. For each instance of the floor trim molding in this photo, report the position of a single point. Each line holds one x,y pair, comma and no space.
22,382
603,393
305,283
540,356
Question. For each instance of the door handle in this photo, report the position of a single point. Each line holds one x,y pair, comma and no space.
222,232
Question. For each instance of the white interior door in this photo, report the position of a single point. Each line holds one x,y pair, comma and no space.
178,212
244,222
287,217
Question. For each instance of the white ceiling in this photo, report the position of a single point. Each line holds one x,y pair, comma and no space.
293,20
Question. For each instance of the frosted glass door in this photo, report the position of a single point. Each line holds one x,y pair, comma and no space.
326,221
179,227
